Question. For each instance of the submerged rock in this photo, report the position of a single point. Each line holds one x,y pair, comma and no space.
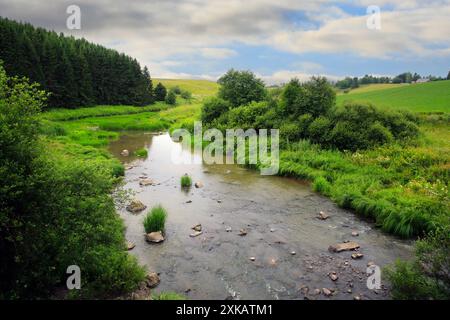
146,182
243,232
327,292
154,237
355,233
152,280
333,276
125,153
322,216
357,255
198,185
130,245
196,234
343,246
197,227
136,206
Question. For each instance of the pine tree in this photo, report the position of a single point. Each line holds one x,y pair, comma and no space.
160,92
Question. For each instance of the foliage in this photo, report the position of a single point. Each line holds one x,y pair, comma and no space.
241,87
141,152
186,181
171,97
155,219
315,97
428,275
55,212
75,72
168,296
213,108
160,92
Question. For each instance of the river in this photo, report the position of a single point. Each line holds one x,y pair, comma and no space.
279,215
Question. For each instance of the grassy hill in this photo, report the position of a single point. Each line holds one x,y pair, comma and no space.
199,88
425,97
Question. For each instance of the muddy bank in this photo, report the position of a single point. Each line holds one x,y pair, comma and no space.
279,216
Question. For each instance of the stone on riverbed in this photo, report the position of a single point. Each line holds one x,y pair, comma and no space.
130,245
198,185
146,182
333,276
195,234
154,237
355,233
243,232
322,216
357,255
136,206
197,227
343,246
152,280
125,153
327,292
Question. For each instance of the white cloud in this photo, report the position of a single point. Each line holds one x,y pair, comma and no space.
217,53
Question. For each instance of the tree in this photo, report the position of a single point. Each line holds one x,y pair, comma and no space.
448,76
214,108
160,92
171,98
241,87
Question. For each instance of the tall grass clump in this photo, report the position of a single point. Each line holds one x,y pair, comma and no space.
186,181
155,219
141,153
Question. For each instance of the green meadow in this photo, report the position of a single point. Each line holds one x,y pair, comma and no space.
431,97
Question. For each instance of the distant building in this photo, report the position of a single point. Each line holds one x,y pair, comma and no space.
422,80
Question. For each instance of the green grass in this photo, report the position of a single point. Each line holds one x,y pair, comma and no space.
425,97
141,153
155,219
99,111
198,88
186,181
373,87
168,296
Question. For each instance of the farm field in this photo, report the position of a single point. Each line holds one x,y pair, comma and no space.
428,97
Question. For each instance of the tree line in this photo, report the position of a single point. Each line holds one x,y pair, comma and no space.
405,77
74,71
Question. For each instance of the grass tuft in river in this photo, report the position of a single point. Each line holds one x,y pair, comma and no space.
186,181
155,219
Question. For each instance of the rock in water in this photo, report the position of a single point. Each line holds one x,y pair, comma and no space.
197,227
152,280
355,233
130,245
243,232
146,182
154,237
327,292
322,216
198,185
344,246
136,206
195,234
357,255
125,153
333,276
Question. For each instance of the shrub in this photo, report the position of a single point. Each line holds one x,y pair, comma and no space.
176,90
186,95
318,130
186,181
241,87
61,210
427,276
213,108
171,98
155,220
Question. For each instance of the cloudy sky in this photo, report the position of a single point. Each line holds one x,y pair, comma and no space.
278,39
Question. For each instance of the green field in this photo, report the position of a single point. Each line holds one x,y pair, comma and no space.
425,97
198,88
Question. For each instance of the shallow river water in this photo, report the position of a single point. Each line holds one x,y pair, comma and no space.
280,216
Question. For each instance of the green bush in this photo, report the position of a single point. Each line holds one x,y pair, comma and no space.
155,219
213,108
318,130
55,212
241,87
186,181
171,98
186,95
168,296
427,276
